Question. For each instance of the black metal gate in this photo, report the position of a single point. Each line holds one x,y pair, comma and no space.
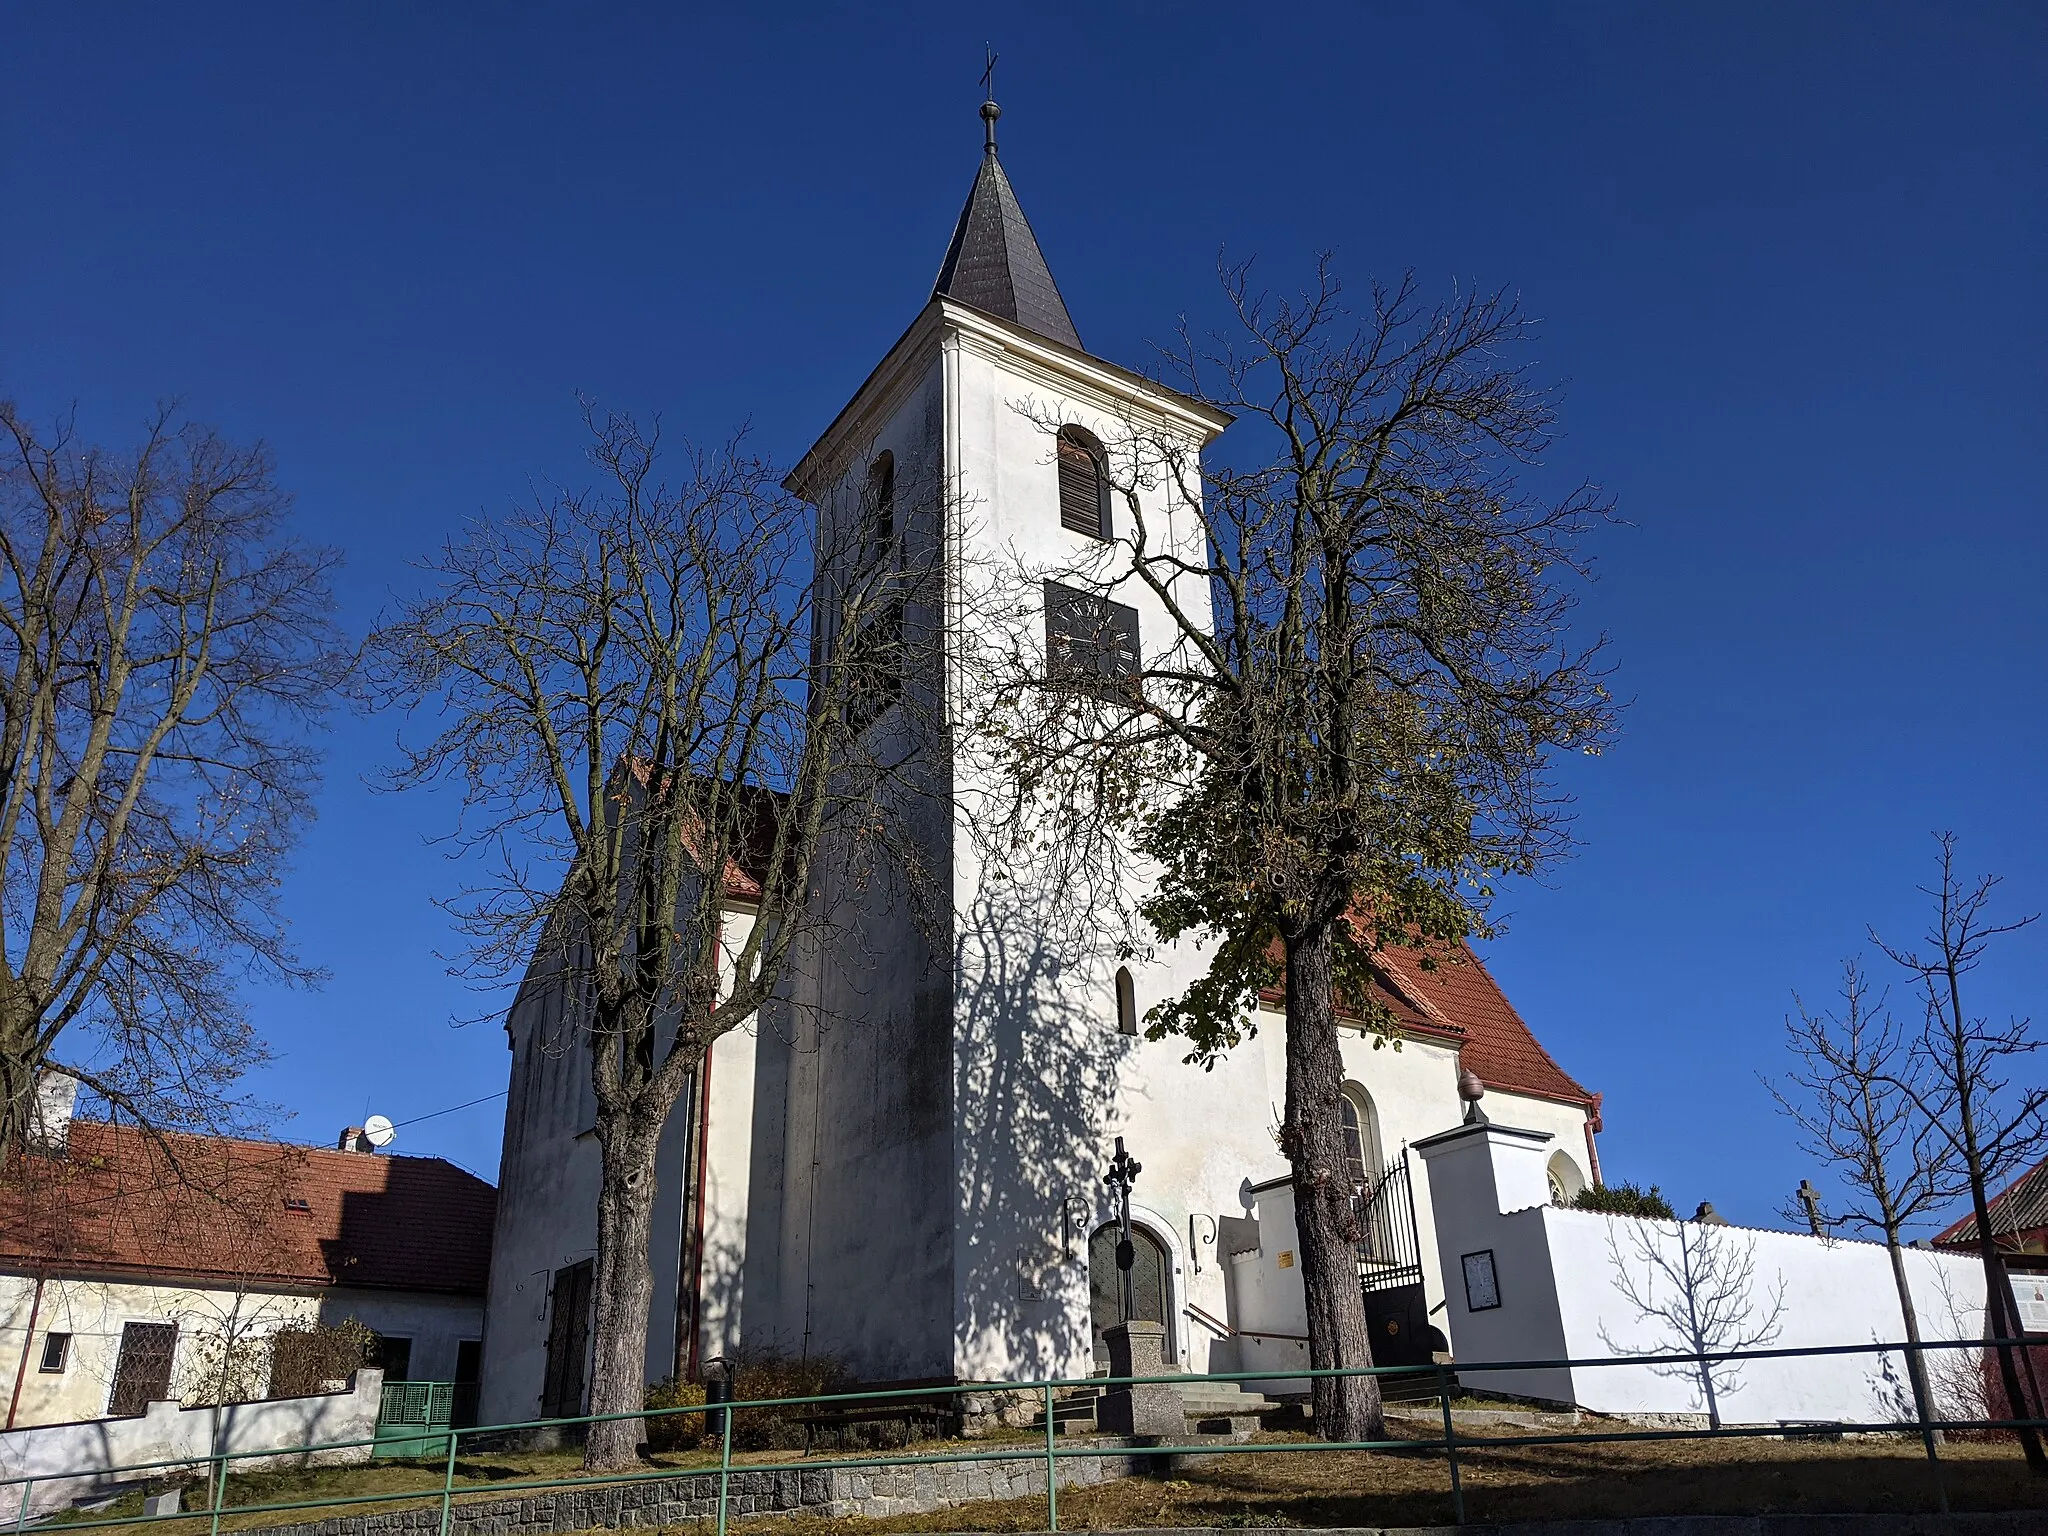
1390,1268
1389,1252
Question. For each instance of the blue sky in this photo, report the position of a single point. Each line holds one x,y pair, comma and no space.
1789,262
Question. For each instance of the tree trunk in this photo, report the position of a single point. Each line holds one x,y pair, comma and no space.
2000,1311
623,1285
1326,1224
1916,1362
2002,1315
19,1066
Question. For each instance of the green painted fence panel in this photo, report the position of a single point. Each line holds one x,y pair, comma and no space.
413,1419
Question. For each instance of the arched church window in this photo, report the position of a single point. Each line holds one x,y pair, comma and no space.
1084,492
1361,1135
1566,1182
1151,1286
1126,1003
878,509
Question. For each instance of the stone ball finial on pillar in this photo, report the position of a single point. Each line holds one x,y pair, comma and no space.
1471,1090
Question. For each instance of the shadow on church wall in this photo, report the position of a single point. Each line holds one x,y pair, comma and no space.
1037,1059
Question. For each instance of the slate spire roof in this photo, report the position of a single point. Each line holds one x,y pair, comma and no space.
994,263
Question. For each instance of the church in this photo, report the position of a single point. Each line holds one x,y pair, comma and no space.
902,1169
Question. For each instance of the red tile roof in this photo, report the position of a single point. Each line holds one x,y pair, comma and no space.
2018,1211
261,1213
1459,1003
1499,1046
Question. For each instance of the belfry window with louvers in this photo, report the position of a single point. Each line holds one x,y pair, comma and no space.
1090,641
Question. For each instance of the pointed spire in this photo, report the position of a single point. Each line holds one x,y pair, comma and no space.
994,263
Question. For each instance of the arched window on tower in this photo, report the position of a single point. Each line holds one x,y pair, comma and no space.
1361,1135
1084,492
1126,1003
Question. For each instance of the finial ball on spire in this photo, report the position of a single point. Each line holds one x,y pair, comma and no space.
989,113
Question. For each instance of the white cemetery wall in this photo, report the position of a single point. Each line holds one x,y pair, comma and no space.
1531,1282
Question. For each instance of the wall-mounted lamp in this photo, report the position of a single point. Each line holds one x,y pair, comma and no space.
1198,1239
1075,1213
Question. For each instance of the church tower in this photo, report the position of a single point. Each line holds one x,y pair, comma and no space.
952,1065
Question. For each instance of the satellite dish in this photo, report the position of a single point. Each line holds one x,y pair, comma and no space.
378,1131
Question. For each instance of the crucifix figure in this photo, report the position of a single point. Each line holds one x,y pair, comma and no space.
1123,1173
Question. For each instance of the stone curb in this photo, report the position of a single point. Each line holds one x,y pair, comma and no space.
689,1497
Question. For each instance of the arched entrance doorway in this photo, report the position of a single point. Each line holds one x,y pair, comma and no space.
1151,1285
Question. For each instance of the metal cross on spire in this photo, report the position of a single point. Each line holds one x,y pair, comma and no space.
989,110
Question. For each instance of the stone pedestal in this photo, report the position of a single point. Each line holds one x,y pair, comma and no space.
1139,1349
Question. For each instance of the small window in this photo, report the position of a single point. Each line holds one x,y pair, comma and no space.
1090,640
1565,1180
56,1352
395,1355
298,1203
1084,491
878,510
1126,1003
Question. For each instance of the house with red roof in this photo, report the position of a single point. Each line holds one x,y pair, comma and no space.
2019,1227
137,1268
901,1163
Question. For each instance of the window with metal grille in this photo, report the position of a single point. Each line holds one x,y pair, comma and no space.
1084,491
1089,639
142,1371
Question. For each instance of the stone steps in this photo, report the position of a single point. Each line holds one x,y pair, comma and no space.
1210,1407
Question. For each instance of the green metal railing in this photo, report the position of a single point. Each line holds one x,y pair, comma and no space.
1051,1452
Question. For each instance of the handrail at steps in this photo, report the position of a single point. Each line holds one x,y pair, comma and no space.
1224,1330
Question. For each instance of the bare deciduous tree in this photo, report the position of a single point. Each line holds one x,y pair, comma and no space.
164,651
1342,742
1847,1095
651,734
1704,1298
1962,1088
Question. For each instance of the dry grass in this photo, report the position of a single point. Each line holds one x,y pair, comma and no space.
1574,1480
1577,1479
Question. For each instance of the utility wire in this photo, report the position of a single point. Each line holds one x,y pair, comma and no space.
437,1114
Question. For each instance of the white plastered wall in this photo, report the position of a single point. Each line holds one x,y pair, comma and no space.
1559,1295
